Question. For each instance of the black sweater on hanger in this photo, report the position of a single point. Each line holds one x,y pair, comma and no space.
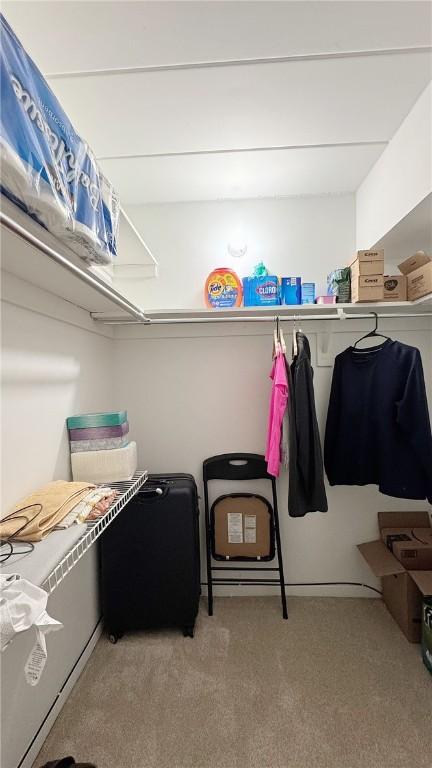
306,491
378,428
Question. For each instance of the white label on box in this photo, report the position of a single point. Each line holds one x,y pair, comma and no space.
250,529
235,527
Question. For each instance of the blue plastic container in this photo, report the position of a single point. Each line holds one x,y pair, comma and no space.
261,291
308,293
291,290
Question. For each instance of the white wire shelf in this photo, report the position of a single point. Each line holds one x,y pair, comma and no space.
94,528
31,253
317,312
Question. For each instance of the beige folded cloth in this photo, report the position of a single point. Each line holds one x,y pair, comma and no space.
36,515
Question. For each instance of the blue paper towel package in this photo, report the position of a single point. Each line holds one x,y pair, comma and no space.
47,168
291,290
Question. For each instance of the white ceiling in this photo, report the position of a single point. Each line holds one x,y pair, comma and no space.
77,36
194,118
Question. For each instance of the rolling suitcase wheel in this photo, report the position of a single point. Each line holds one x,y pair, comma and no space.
114,637
188,631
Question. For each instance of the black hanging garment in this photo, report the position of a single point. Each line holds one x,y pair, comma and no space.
378,428
306,475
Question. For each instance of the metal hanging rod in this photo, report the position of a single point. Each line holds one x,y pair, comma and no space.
79,272
341,315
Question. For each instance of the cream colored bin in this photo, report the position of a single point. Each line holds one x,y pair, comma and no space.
105,466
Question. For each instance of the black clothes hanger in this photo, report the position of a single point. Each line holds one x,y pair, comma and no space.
371,334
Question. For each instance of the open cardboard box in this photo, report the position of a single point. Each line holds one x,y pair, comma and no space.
418,271
403,589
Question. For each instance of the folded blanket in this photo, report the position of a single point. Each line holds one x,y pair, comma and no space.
92,506
37,514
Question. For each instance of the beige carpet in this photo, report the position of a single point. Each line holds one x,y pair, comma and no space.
335,686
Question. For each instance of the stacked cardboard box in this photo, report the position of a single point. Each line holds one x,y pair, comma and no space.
367,276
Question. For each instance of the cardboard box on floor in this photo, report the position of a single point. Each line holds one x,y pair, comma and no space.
427,633
403,589
418,271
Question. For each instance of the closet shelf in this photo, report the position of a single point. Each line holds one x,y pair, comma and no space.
33,254
94,529
421,307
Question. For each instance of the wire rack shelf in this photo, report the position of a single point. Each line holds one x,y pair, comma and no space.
126,489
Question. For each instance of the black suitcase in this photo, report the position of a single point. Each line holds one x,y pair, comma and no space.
150,559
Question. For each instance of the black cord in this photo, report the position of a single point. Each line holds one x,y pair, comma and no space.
313,584
12,544
12,541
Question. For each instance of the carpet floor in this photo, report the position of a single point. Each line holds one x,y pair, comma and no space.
335,686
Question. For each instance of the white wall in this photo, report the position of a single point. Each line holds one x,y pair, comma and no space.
51,369
195,392
400,179
55,362
305,236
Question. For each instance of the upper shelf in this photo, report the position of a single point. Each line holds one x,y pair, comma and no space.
301,311
33,254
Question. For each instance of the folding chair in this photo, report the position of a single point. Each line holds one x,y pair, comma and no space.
241,466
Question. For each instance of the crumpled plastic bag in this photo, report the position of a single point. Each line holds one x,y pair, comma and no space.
22,606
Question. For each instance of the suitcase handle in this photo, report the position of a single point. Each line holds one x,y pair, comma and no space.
152,493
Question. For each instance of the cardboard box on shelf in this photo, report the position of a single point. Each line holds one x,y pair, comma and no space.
367,288
418,271
368,263
395,288
403,589
419,282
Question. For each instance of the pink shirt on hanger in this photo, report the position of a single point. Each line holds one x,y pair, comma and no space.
278,404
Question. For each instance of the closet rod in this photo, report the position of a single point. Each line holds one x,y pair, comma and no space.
264,319
86,277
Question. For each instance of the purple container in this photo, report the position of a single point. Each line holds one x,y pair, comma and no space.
97,433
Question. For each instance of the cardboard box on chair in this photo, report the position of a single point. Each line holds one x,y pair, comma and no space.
403,588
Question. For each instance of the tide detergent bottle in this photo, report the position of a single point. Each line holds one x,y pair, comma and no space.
223,289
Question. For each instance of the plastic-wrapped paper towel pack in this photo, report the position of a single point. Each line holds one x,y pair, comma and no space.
47,168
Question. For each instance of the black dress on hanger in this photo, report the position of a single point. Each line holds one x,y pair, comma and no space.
306,474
